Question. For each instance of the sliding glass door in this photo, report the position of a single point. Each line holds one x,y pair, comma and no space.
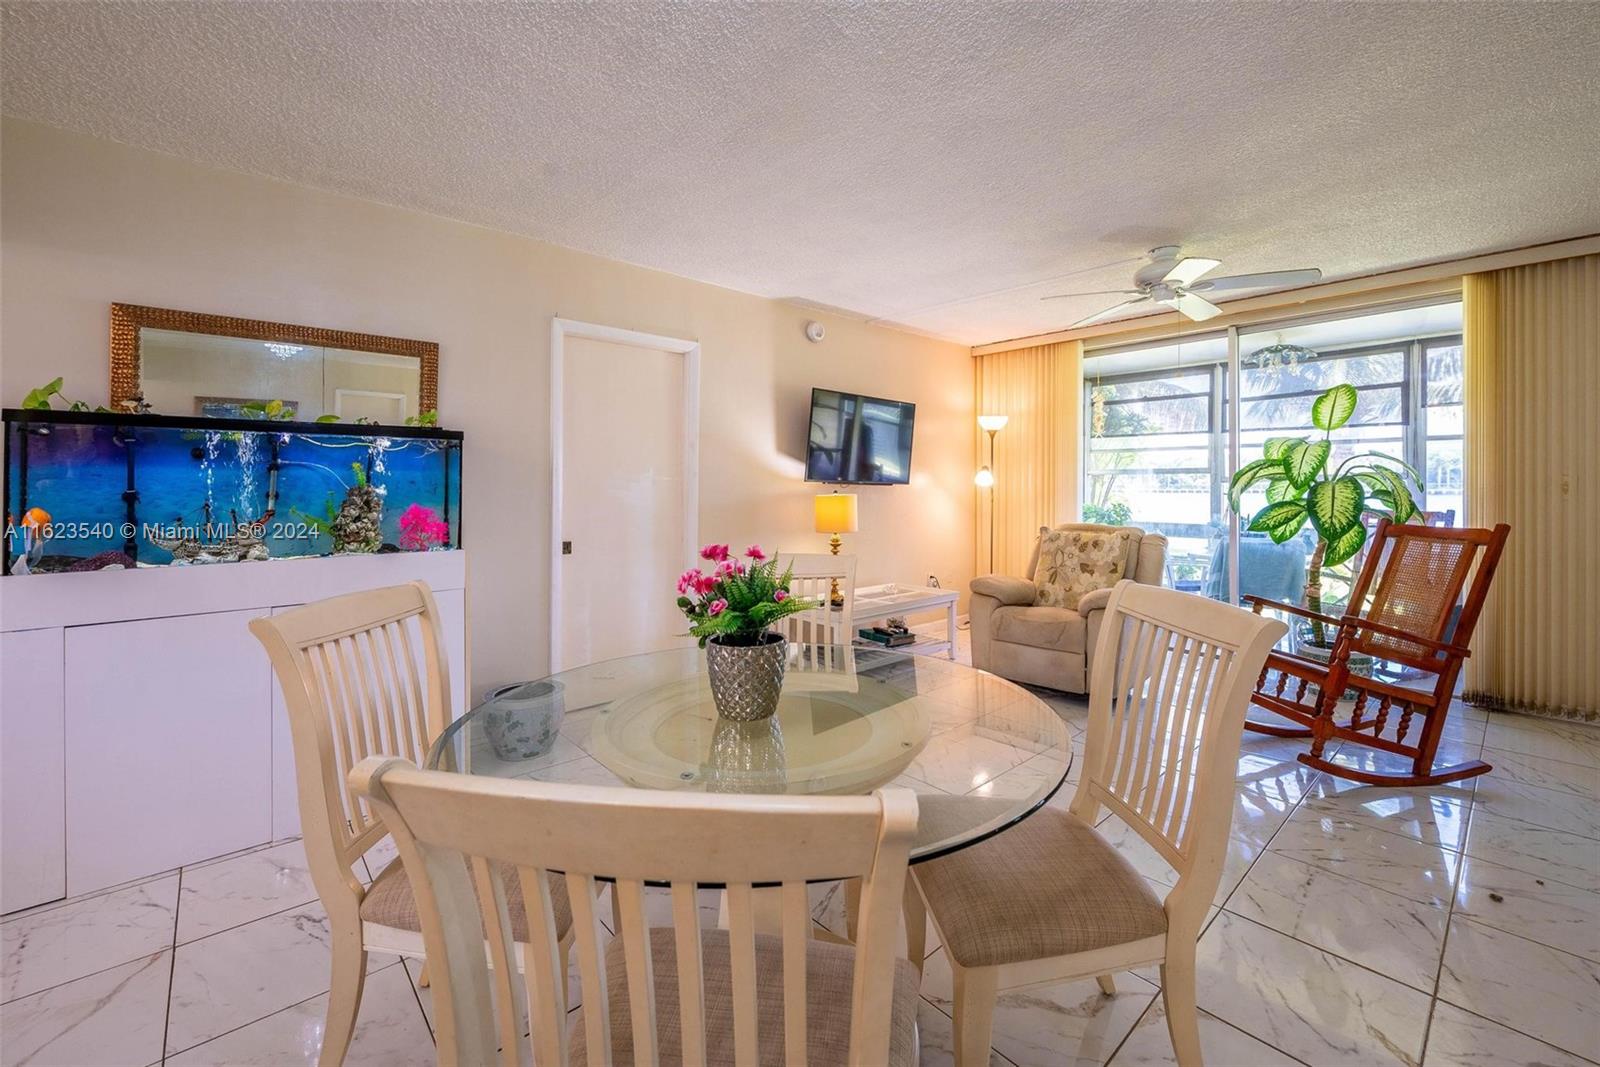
1160,444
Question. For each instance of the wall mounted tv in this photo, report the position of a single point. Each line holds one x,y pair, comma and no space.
859,440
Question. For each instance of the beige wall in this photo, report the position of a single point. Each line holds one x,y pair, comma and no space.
85,222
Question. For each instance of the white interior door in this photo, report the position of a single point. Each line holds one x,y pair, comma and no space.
625,517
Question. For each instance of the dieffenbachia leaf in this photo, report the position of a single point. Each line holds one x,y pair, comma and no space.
1275,447
1305,460
1333,408
1281,489
1346,545
1280,521
1396,491
1335,506
1248,475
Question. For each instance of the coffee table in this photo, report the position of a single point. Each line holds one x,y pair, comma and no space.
877,602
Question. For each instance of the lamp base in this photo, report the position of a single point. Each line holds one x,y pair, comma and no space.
835,598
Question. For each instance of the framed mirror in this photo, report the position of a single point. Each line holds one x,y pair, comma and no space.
189,363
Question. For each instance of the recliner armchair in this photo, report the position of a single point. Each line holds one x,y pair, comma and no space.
1044,645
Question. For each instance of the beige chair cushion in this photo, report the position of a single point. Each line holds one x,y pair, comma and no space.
389,901
1075,562
1048,886
830,971
1061,629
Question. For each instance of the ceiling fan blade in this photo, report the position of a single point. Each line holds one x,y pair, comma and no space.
1108,312
1189,269
1097,292
1275,279
1197,309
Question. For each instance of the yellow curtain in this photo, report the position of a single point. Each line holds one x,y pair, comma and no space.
1532,452
1035,460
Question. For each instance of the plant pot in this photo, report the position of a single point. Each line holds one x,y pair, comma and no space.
747,680
522,720
1306,647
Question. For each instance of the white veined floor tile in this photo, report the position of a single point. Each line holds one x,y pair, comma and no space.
390,1030
1403,865
113,1018
238,890
1573,742
1150,1044
1554,809
1458,1038
1306,1002
229,979
53,945
1532,906
1550,854
1544,772
936,1035
1538,990
1071,1024
1436,816
1381,931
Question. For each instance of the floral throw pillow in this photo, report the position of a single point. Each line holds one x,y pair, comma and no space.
1073,563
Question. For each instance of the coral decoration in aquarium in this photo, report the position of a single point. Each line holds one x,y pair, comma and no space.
91,490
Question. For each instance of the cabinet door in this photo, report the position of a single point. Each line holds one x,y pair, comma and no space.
169,745
33,864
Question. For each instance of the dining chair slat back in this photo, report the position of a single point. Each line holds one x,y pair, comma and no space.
819,633
1166,710
632,839
362,675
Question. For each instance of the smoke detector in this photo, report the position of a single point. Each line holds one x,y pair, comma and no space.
814,331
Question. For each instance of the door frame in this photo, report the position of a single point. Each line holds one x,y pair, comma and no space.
560,330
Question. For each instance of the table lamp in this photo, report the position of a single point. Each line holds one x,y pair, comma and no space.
835,514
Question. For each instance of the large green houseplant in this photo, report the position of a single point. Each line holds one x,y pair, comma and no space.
1302,489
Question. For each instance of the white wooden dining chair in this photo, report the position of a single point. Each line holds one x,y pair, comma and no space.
673,994
362,675
1050,900
828,627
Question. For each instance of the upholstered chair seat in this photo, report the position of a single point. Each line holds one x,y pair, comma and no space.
830,969
389,902
1042,629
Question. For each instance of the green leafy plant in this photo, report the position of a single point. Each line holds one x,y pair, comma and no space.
1116,513
327,418
1301,489
427,418
737,601
275,410
40,399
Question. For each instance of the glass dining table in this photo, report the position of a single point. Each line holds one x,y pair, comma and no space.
980,752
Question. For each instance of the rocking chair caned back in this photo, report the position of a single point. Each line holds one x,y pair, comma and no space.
1423,572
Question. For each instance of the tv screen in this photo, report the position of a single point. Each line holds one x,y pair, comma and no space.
859,440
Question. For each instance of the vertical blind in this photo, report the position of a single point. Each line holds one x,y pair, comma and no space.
1532,386
1036,456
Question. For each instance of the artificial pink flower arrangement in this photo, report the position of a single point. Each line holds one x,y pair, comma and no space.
739,598
421,528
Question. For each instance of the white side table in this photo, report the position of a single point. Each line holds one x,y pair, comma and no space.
877,602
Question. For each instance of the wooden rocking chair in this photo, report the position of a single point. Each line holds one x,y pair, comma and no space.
1408,621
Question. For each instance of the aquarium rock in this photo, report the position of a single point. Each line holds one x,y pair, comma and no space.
358,526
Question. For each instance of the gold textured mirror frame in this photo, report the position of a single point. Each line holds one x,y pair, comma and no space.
128,319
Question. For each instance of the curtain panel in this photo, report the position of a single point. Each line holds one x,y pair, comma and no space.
1532,380
1035,460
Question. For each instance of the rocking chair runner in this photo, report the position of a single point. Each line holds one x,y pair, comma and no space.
1408,621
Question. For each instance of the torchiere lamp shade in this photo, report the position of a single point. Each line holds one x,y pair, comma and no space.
836,513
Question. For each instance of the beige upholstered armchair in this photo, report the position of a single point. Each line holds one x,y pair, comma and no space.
1041,644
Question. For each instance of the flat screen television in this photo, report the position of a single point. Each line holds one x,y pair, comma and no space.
859,440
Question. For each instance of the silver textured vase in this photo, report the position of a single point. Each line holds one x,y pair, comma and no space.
746,680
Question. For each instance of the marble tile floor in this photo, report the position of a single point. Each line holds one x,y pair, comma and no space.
1355,925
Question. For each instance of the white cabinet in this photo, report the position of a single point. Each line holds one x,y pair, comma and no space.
33,861
140,725
169,751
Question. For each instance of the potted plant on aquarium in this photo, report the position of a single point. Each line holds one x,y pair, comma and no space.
1301,489
730,611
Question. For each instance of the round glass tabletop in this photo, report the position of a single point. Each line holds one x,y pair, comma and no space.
980,752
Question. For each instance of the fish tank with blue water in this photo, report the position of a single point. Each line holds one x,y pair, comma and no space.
95,490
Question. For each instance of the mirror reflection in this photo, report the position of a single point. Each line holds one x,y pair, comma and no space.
184,373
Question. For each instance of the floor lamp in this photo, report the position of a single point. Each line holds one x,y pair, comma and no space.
991,424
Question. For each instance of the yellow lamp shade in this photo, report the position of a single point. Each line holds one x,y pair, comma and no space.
836,513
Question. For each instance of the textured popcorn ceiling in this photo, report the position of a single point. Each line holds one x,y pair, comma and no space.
939,164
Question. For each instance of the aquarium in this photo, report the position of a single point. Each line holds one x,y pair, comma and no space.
85,490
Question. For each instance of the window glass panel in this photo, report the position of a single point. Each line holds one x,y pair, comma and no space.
1444,373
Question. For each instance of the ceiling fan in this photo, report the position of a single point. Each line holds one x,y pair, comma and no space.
1176,280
